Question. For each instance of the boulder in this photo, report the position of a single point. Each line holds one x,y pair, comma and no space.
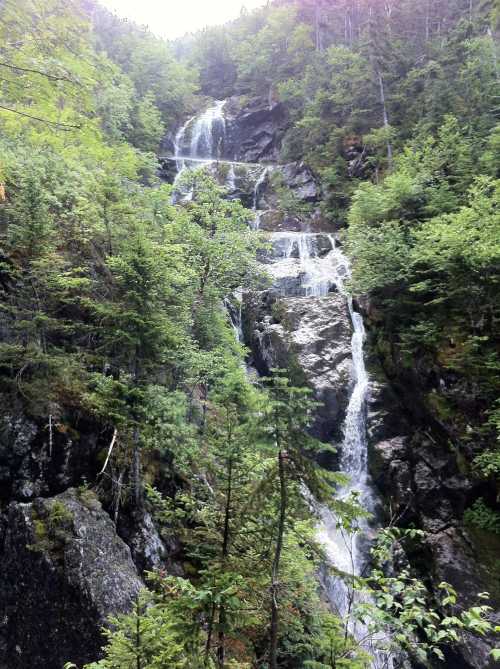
64,572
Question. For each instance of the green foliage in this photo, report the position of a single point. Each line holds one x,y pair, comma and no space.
482,516
161,631
400,608
426,243
111,296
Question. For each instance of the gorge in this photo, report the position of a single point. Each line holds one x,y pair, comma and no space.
249,314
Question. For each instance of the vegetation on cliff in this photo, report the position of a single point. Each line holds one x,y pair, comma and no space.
111,296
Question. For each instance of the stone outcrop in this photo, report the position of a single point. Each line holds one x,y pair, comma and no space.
311,336
299,178
254,130
423,487
64,571
35,463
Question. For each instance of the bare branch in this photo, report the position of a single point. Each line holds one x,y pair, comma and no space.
52,77
61,126
110,450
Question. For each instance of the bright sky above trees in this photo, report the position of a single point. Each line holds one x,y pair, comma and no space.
171,18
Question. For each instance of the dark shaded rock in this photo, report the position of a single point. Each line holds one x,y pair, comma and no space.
64,571
392,474
355,152
454,560
30,466
385,415
254,130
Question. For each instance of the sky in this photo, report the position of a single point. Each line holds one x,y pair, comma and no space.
174,18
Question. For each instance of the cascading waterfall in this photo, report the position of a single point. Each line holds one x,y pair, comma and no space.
206,139
259,184
208,133
300,256
316,268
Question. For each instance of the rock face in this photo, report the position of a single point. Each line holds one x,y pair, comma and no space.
299,178
64,571
454,559
312,336
422,486
254,130
30,466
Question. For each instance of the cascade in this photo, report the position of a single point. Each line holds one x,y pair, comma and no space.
231,179
208,133
306,257
306,265
202,146
256,194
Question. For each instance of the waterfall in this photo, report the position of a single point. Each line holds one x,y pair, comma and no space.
307,265
208,133
299,256
256,194
231,179
206,144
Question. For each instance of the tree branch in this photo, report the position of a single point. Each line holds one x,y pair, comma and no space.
52,77
61,126
110,450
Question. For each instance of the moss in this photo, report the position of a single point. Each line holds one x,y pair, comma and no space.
440,406
88,498
52,528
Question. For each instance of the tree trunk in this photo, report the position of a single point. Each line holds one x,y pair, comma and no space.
221,651
317,17
385,116
209,635
136,471
138,634
273,645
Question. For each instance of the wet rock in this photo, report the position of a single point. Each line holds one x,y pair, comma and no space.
311,335
64,571
254,130
385,415
392,474
286,245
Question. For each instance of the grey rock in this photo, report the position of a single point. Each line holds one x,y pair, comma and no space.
254,130
64,572
30,467
454,560
311,335
298,177
392,474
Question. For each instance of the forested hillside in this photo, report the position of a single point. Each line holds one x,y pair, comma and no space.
175,407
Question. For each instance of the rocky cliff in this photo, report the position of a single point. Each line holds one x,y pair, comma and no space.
65,568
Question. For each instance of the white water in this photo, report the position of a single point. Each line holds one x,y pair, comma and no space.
303,265
298,258
208,132
206,143
256,195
